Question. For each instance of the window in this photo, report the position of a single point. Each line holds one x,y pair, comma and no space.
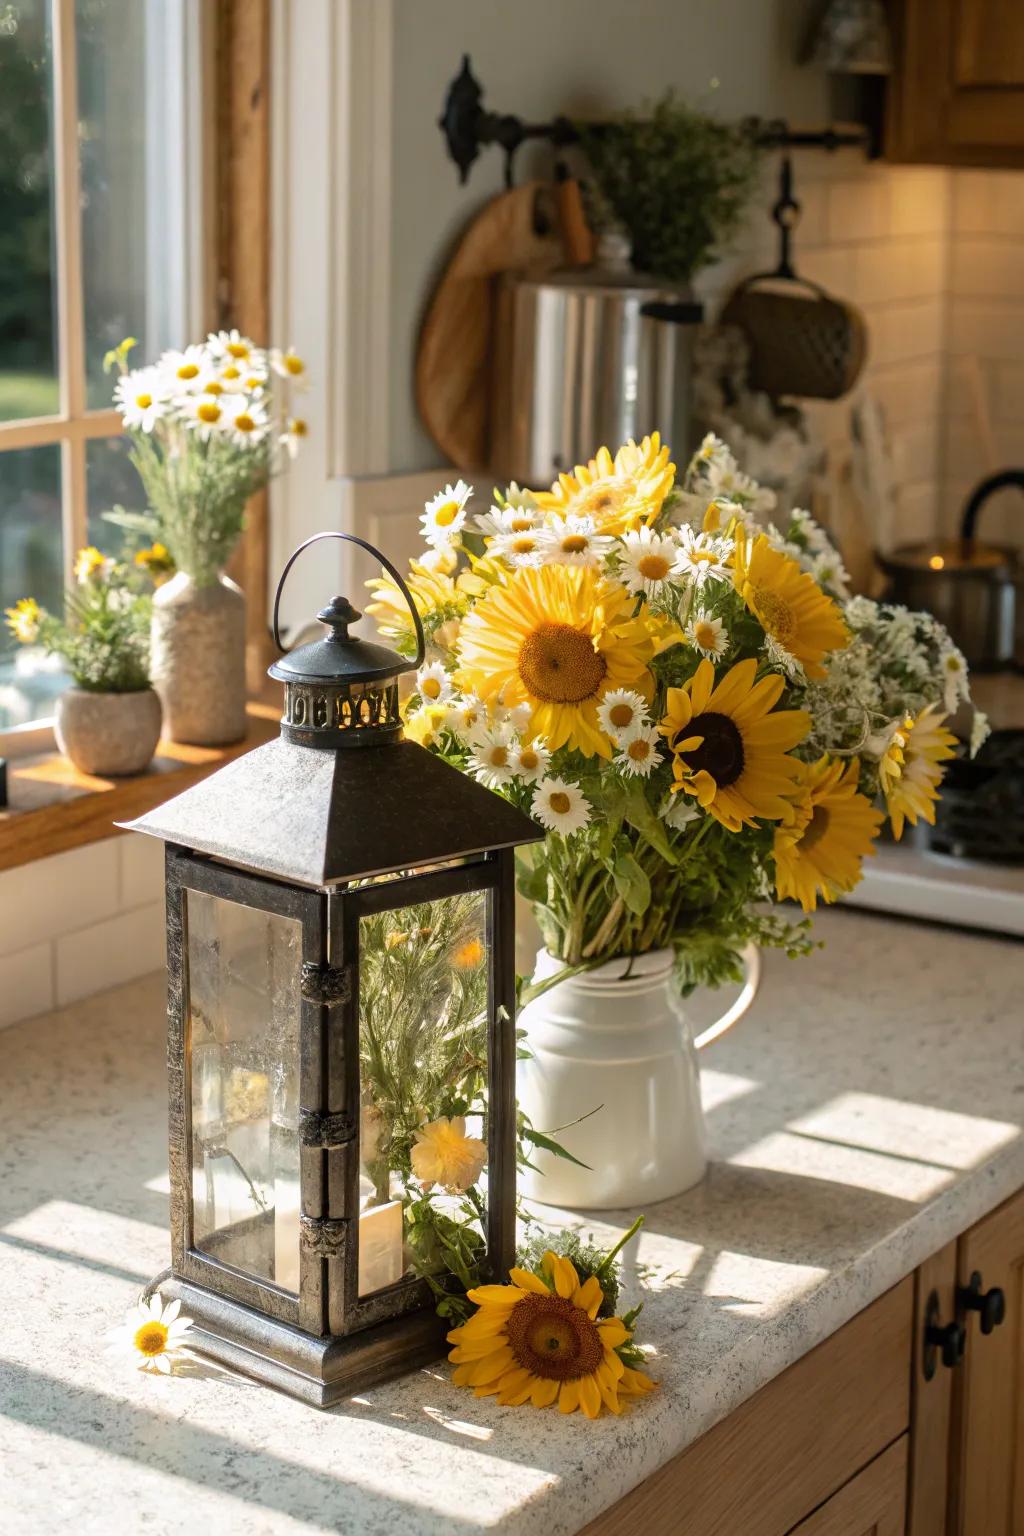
101,204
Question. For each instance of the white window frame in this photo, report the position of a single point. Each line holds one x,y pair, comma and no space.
179,190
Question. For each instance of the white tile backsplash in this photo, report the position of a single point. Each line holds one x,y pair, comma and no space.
142,869
58,894
26,983
108,953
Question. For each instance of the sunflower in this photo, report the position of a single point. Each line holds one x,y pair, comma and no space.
557,637
619,494
820,851
788,603
540,1340
433,592
911,788
729,744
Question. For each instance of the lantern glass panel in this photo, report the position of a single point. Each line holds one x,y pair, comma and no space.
244,1006
424,988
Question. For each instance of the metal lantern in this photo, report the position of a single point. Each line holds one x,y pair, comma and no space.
290,873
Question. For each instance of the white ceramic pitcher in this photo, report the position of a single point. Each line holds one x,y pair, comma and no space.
613,1075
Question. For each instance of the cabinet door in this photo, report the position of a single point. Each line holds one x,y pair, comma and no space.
988,1491
931,1397
957,94
872,1504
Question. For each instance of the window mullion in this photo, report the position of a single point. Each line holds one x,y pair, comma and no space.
70,295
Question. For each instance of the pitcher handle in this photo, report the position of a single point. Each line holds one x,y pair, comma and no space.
752,962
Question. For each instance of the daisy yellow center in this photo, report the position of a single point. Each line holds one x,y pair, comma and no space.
293,364
244,422
213,388
298,428
151,1338
639,750
446,514
187,371
549,1337
430,687
143,401
528,759
653,567
498,757
721,751
231,372
704,634
558,662
237,349
703,556
208,411
775,614
621,715
521,524
574,544
524,545
560,803
815,829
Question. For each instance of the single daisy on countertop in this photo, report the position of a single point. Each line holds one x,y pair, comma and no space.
444,516
153,1335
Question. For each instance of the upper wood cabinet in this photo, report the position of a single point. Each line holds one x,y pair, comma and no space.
957,94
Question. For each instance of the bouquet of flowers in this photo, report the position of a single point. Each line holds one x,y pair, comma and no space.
685,696
209,426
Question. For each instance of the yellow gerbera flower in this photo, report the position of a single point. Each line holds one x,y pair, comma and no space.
89,562
433,591
821,850
540,1340
620,493
557,637
788,603
912,787
23,620
729,744
443,1154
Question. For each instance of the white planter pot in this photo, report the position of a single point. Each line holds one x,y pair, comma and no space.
108,733
613,1076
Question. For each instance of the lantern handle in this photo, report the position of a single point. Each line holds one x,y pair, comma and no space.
351,538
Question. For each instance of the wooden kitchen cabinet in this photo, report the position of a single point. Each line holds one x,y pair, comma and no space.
871,1504
956,96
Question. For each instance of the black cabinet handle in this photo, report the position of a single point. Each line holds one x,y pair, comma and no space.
945,1341
990,1305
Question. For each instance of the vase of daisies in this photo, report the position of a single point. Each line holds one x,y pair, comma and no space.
209,426
709,728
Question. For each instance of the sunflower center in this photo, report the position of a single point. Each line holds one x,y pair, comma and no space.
559,663
446,514
549,1337
574,544
775,614
653,567
721,751
151,1339
815,829
560,802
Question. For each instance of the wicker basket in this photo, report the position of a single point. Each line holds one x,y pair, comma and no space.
802,342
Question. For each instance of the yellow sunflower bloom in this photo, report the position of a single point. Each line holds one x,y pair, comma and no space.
557,637
788,603
819,853
540,1340
433,591
911,788
619,494
729,744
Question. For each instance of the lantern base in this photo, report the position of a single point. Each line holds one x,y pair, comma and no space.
319,1371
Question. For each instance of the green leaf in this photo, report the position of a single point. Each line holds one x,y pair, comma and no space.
632,884
644,819
549,1144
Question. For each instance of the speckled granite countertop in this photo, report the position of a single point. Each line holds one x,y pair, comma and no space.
868,1110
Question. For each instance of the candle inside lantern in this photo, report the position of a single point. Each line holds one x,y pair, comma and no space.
381,1260
937,562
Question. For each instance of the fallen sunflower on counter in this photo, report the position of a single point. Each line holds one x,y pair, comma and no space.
548,1337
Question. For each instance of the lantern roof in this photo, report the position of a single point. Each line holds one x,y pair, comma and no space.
321,817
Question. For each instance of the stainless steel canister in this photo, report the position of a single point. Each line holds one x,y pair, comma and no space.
584,357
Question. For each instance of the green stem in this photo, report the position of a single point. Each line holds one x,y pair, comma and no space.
609,1258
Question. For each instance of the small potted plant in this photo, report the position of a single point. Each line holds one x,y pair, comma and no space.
109,721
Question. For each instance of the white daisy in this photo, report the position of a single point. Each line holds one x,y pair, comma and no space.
490,758
502,520
444,516
622,712
725,479
639,755
465,716
530,760
519,498
231,344
649,560
953,670
560,807
141,397
292,438
713,451
289,365
678,811
518,716
154,1335
182,370
245,420
829,572
528,548
703,555
433,684
786,662
575,541
204,414
235,377
707,635
980,731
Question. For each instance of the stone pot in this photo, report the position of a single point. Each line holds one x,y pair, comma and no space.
108,733
198,659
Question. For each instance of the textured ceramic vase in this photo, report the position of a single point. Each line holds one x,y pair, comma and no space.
198,659
108,733
613,1072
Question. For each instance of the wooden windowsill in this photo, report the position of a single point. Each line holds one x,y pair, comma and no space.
52,807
